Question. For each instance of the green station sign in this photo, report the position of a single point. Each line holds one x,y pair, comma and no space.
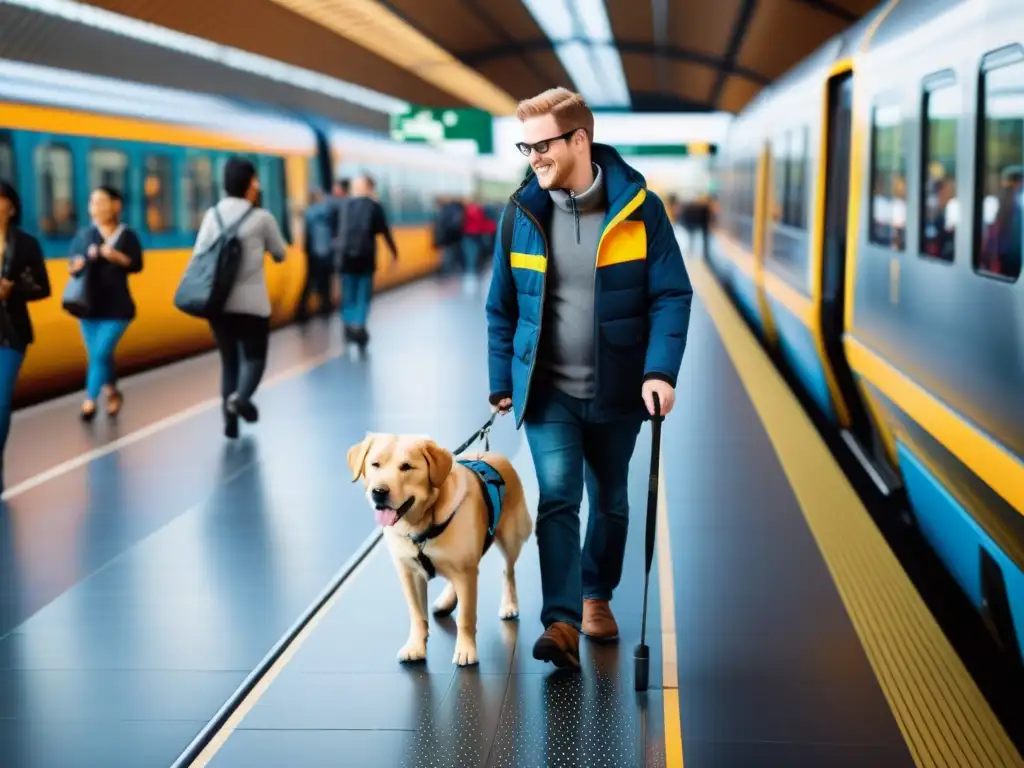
433,126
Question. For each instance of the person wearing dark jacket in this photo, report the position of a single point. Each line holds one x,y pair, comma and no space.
23,279
111,251
587,320
363,219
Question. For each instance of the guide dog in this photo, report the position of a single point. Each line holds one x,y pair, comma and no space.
438,518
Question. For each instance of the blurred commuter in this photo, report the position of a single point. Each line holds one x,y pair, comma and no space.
23,278
702,221
362,219
581,366
242,331
342,189
321,225
477,230
449,229
102,256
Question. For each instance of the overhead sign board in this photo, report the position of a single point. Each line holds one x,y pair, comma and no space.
435,126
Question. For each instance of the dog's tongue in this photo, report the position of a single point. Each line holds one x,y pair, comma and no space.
386,517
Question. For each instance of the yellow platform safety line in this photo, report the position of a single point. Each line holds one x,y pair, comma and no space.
669,657
939,709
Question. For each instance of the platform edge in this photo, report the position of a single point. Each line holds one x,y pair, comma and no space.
209,732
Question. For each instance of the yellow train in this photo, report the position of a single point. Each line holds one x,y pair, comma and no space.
871,232
62,133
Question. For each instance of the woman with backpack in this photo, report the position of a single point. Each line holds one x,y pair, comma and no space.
103,255
23,279
242,329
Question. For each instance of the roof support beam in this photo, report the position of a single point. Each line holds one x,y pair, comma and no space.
739,32
671,52
832,8
501,32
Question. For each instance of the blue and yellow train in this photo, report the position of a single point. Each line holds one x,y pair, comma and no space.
62,133
871,231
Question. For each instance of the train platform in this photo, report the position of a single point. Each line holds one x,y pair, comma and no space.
174,599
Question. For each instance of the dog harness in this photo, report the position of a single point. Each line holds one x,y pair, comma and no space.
493,486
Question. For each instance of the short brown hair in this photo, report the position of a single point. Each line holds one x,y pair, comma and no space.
569,109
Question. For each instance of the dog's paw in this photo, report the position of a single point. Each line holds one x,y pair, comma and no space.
465,654
413,652
508,611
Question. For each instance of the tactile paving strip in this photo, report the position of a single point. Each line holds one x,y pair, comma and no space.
593,719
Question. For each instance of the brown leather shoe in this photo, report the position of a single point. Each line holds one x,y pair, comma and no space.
598,621
560,644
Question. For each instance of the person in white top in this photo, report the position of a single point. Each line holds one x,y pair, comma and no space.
242,331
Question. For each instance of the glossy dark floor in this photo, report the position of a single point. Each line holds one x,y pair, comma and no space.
141,588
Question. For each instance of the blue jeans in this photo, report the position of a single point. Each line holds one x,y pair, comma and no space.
569,449
10,365
101,339
356,291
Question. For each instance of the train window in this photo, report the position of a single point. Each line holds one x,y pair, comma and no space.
780,172
109,168
796,188
275,198
940,207
200,190
55,190
1001,173
158,187
7,158
888,179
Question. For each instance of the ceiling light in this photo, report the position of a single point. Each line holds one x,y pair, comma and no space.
582,38
575,57
613,77
370,24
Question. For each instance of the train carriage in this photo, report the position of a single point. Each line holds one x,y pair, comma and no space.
62,133
872,229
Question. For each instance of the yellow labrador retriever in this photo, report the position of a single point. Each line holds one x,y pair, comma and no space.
438,518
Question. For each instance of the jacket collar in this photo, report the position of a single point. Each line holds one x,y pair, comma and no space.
622,182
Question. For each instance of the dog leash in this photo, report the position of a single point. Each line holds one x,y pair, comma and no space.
484,432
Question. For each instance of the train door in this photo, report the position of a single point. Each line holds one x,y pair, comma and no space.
833,267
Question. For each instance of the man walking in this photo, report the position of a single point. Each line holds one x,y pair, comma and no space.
321,223
587,315
362,220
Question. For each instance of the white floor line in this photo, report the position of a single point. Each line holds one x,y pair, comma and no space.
158,426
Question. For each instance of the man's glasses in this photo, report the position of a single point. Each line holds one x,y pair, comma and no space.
543,146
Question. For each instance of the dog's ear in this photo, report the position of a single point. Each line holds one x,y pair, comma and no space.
439,462
357,456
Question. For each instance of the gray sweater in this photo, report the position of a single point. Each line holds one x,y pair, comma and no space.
258,234
566,354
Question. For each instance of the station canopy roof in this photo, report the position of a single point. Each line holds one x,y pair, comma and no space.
640,55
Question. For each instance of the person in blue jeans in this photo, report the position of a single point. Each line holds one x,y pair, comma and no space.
23,279
111,251
587,315
361,219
